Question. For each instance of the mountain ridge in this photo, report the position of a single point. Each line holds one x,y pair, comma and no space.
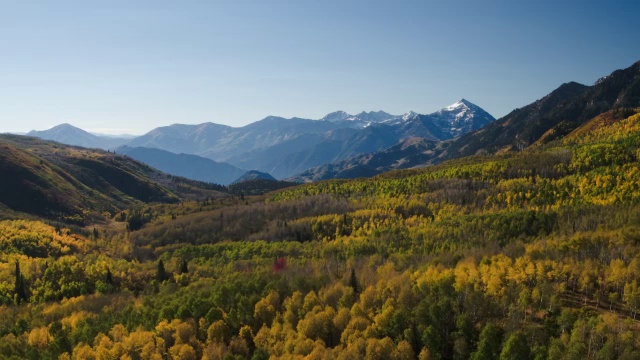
284,147
71,135
559,113
565,108
186,165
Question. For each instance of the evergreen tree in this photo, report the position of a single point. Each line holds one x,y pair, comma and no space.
161,274
19,287
353,281
183,267
109,277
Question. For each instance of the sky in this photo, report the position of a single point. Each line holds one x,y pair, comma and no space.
119,67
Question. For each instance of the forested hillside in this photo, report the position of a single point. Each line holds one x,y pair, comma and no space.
552,117
528,255
77,185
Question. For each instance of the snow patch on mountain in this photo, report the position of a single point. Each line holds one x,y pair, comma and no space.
336,116
454,120
410,116
461,117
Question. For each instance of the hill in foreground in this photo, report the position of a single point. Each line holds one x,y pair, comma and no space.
74,184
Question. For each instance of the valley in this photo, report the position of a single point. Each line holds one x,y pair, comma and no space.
320,180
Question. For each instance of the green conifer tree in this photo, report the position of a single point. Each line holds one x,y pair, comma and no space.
353,281
161,274
109,277
19,287
184,267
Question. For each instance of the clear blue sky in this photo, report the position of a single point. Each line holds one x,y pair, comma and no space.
130,66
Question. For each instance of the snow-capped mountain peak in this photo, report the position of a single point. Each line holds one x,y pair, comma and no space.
410,116
337,116
459,105
371,116
462,116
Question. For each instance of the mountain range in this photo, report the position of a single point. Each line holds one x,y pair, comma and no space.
275,145
551,117
342,145
283,147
